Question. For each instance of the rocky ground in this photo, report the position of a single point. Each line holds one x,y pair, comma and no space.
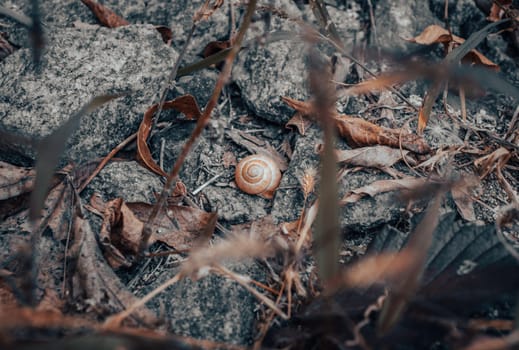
82,59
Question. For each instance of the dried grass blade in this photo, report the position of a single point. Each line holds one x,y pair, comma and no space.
51,148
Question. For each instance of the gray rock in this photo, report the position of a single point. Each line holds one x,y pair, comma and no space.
213,307
127,180
288,201
264,73
79,64
361,216
398,19
177,15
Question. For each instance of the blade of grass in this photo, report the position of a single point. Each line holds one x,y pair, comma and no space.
50,149
327,230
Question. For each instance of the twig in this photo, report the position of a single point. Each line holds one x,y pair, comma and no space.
200,125
204,185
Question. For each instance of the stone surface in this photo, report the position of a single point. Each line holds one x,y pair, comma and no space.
398,20
127,180
177,15
264,73
213,307
79,64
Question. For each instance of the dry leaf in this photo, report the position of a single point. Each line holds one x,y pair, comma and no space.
300,122
257,146
305,108
490,162
185,104
496,11
381,186
462,198
375,156
121,230
165,33
95,281
107,17
15,181
228,159
5,47
206,10
435,34
359,132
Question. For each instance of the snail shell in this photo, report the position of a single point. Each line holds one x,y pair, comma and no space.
258,174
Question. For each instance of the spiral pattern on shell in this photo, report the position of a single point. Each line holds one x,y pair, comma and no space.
258,174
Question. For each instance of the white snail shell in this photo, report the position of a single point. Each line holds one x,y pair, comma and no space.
258,174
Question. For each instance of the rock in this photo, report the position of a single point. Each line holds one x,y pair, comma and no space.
79,64
264,73
360,217
213,307
127,180
289,197
397,20
176,15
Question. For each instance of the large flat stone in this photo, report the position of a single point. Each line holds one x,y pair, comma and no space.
77,65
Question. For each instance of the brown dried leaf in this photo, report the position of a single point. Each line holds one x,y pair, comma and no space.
94,280
305,108
228,159
5,47
462,199
381,186
107,17
15,181
434,34
256,145
359,132
215,47
185,104
165,33
206,10
376,156
121,230
496,12
300,122
179,227
490,162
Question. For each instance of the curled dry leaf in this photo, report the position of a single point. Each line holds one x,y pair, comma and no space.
435,34
462,197
96,281
379,157
300,122
185,104
496,11
359,132
5,47
107,17
381,186
15,181
121,230
490,162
